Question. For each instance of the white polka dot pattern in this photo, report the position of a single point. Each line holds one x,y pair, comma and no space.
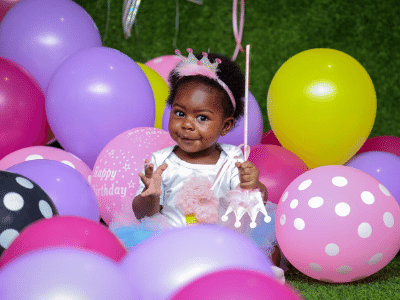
24,182
45,209
305,185
7,237
13,201
344,220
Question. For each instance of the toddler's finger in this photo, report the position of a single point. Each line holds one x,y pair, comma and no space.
148,170
161,169
144,179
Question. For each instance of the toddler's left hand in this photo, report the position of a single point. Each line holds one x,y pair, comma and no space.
248,174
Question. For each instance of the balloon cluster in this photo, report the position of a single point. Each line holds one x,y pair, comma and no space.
335,223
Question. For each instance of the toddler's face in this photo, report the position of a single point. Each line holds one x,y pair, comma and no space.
197,118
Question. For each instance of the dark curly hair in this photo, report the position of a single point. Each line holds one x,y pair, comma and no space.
228,71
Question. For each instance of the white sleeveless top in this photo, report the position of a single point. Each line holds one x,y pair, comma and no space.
179,171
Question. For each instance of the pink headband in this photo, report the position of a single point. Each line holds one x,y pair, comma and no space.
191,66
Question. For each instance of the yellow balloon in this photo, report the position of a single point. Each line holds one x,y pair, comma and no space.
321,106
160,91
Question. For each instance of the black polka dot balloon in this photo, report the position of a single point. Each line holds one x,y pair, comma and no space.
22,202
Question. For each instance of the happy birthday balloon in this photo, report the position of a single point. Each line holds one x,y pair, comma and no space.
321,106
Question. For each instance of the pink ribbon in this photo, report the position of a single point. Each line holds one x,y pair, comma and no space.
236,34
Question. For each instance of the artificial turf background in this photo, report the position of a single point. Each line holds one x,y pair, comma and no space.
368,30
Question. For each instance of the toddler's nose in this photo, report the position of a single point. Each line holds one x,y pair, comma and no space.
187,124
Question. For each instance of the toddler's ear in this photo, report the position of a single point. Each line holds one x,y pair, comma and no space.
229,123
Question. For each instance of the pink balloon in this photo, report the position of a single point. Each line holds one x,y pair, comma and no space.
278,167
22,113
65,231
269,138
238,284
45,152
115,176
163,65
384,143
338,224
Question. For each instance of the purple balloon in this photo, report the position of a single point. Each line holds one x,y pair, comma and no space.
95,95
236,135
383,166
40,34
63,274
162,264
70,191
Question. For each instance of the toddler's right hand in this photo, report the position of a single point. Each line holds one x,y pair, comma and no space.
152,180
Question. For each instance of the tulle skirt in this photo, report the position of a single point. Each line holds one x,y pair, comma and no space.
263,235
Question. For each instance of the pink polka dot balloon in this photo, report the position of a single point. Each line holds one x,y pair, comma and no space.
45,152
115,176
338,224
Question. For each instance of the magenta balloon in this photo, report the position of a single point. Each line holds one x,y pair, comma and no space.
236,135
159,266
278,167
384,143
383,166
95,95
40,34
236,284
22,114
269,138
5,6
59,273
70,191
65,232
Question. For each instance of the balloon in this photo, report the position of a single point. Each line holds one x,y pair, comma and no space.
63,274
23,202
115,176
277,167
5,6
160,91
50,32
69,190
65,231
313,97
383,166
235,284
338,224
22,116
95,95
163,65
45,152
236,135
384,143
269,138
159,266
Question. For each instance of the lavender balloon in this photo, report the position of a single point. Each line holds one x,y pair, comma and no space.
383,166
162,264
70,191
63,274
41,34
95,95
236,135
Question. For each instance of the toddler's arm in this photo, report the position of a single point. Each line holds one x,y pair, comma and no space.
148,202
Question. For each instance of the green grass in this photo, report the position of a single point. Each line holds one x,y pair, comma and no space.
368,30
384,284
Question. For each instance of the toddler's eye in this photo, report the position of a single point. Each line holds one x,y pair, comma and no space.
202,118
179,113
